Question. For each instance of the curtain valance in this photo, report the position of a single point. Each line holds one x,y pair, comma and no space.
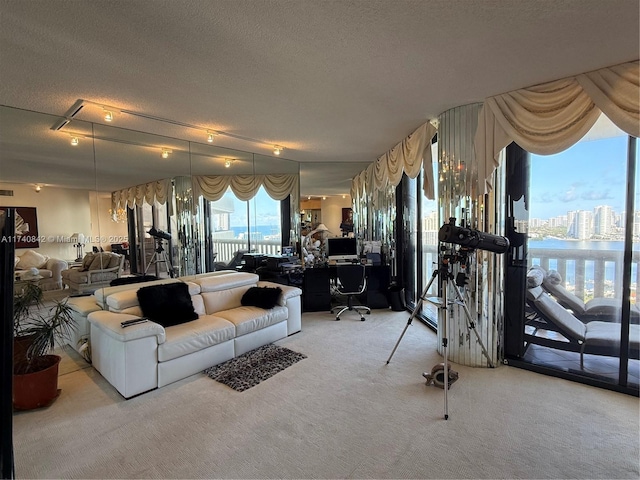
245,187
157,191
549,118
408,157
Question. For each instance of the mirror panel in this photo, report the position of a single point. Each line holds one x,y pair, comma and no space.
32,154
125,159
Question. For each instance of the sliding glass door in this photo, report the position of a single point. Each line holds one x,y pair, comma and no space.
570,215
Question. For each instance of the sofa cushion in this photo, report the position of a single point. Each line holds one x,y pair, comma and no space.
194,336
262,297
86,261
214,283
168,304
119,297
104,260
223,299
251,319
31,259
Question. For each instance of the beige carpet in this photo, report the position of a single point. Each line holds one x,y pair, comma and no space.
340,413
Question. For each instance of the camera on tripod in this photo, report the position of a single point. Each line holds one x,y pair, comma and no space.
154,232
472,239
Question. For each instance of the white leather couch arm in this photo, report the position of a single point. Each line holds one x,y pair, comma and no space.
287,291
290,298
109,323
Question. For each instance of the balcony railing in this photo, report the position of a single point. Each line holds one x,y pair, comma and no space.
585,272
226,247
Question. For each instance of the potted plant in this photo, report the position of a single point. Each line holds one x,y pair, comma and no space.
36,330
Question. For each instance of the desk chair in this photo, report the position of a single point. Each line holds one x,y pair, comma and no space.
351,281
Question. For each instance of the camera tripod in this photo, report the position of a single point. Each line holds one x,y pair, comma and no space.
160,256
446,278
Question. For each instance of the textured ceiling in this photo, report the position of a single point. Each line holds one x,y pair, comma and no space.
332,81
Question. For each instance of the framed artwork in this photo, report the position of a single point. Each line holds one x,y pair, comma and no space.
347,221
26,235
347,215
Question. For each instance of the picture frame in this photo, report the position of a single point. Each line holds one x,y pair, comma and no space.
26,233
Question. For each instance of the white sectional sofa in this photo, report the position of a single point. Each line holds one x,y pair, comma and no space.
146,356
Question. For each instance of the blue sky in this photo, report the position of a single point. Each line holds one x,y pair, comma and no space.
589,174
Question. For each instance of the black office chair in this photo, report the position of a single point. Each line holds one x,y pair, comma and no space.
351,282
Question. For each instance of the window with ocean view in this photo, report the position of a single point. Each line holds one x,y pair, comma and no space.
576,231
252,225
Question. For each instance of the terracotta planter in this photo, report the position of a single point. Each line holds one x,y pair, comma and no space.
20,347
38,388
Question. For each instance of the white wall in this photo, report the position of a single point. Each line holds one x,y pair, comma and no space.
104,231
332,213
64,211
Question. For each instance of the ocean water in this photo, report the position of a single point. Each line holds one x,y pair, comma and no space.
258,231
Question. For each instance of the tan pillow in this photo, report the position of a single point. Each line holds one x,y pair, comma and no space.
100,261
31,259
86,261
115,260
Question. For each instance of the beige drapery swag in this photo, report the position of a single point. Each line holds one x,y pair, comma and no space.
408,157
137,195
278,186
245,187
549,118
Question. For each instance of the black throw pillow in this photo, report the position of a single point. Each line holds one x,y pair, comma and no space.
262,297
168,304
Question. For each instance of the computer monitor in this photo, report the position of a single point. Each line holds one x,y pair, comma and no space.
342,248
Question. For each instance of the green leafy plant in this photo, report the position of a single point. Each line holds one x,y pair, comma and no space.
42,326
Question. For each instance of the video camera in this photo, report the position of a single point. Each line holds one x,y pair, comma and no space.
159,234
450,233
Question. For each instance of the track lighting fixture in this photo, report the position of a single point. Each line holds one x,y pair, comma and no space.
74,141
165,152
228,162
38,188
108,115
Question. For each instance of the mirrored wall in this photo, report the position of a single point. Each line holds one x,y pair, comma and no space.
113,185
